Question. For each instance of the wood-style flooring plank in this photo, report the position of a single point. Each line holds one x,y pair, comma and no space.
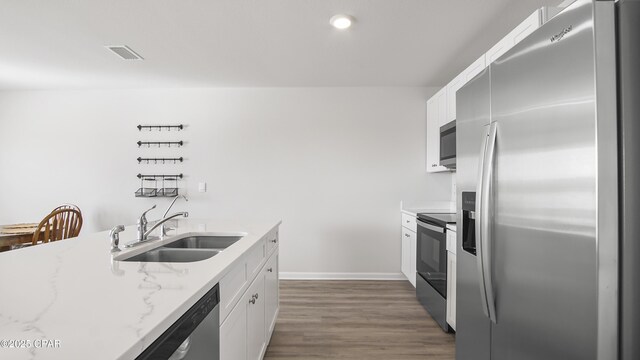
355,320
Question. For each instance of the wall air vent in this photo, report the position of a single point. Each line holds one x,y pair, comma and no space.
125,52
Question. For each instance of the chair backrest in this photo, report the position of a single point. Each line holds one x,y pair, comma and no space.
60,224
67,206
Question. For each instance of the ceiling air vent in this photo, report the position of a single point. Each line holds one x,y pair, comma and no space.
125,52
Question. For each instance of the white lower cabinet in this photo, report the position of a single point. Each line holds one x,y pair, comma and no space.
271,292
451,290
409,248
233,335
254,300
406,253
451,278
247,329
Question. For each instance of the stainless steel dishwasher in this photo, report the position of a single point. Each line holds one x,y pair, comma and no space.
195,336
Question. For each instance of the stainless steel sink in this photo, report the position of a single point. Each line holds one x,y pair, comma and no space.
204,242
169,255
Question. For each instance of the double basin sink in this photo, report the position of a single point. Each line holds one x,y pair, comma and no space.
188,249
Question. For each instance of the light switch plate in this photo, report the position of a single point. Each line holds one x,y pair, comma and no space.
202,187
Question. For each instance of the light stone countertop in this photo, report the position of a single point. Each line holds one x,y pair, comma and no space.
434,207
98,308
415,211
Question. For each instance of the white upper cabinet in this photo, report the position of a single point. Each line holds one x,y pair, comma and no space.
460,81
441,108
528,26
476,68
533,22
499,49
452,88
436,115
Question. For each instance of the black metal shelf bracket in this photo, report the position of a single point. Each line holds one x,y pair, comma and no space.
160,127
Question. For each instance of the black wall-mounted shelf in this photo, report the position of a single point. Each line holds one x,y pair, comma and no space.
159,160
160,143
161,176
160,127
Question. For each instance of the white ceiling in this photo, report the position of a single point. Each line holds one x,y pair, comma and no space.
193,43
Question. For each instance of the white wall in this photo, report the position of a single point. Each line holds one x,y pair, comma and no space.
332,163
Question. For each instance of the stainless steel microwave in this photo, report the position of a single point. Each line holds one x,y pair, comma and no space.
448,145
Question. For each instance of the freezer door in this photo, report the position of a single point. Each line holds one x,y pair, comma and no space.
544,245
473,328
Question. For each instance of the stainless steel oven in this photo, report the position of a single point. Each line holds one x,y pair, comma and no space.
431,264
448,145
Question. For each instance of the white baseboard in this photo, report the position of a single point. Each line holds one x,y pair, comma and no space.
340,276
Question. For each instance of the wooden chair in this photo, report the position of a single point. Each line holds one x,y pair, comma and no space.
60,224
67,206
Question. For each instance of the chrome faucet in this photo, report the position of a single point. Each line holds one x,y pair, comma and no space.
143,233
163,229
175,198
142,224
145,236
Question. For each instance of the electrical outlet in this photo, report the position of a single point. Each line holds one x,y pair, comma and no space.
202,187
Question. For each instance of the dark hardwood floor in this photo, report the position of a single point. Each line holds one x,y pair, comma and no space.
355,320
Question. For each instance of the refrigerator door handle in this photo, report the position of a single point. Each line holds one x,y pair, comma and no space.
486,207
479,215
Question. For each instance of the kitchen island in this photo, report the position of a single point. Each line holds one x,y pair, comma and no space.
72,299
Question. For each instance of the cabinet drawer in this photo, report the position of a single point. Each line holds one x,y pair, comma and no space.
272,240
409,222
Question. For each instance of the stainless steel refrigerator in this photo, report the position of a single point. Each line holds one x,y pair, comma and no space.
548,138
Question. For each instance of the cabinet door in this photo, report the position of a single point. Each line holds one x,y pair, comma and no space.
452,88
406,252
233,334
500,48
413,256
232,286
442,108
254,300
433,131
271,293
451,290
475,68
527,27
454,279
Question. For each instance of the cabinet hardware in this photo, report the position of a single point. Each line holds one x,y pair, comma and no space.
274,241
408,221
407,235
270,269
433,165
252,301
256,295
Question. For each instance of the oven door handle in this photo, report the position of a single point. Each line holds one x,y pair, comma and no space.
430,227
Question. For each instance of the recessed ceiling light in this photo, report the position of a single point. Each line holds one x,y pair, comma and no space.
342,21
124,52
